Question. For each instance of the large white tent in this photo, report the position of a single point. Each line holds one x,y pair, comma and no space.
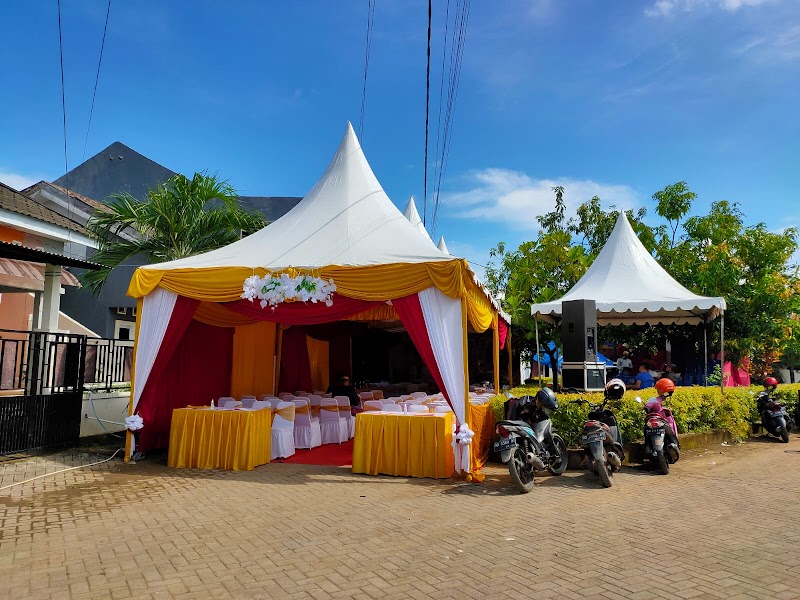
347,230
631,288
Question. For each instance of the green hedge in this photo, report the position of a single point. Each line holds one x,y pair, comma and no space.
696,409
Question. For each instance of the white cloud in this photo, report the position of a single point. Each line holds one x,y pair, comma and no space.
18,181
515,199
663,8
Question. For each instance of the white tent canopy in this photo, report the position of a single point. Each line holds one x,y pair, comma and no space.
442,246
631,288
346,219
413,217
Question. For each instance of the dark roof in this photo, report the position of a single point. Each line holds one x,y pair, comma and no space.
272,207
20,252
15,202
86,200
113,170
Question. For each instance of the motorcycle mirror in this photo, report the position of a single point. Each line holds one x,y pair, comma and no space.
638,399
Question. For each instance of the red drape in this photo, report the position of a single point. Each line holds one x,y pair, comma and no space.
303,313
198,370
502,330
410,312
295,366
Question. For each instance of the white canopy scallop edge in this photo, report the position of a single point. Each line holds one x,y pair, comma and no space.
631,288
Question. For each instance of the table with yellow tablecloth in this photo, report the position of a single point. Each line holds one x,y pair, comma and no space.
393,443
235,440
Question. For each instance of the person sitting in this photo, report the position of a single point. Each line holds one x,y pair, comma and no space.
624,363
643,379
343,388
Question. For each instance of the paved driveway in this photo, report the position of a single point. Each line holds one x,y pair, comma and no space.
724,524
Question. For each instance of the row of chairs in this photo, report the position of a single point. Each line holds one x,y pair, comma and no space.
301,422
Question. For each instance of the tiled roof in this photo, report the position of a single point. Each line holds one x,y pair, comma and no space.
85,199
15,202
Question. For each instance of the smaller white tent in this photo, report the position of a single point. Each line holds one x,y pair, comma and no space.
631,288
413,217
442,246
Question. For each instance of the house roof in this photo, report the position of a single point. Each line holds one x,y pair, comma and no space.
630,287
85,199
17,251
26,275
13,201
115,169
272,207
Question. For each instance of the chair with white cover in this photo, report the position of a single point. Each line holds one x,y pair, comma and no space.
346,414
389,401
307,433
247,401
418,394
228,402
407,397
442,409
364,396
377,394
333,429
282,443
372,405
259,404
392,408
394,399
314,400
275,401
285,394
302,394
417,408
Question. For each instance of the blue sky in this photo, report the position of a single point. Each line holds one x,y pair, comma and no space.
616,99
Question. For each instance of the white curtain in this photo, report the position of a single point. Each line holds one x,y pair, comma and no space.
446,333
156,313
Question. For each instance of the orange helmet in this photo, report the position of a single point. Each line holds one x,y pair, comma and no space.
665,386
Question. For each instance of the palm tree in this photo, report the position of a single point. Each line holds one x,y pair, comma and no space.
179,218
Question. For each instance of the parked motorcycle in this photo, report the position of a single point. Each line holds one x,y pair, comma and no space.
528,442
601,439
661,445
774,417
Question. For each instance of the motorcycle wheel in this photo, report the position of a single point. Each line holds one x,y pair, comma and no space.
559,464
663,463
521,472
604,471
785,435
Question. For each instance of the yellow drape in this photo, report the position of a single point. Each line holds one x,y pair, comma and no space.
482,422
219,439
253,368
406,445
219,316
479,309
375,282
384,312
319,361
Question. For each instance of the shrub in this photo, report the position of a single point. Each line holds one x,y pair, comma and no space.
696,409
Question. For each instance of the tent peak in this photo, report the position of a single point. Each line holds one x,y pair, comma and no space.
442,246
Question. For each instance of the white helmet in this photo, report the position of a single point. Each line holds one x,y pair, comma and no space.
615,389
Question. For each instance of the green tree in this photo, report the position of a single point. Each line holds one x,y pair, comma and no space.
179,218
537,271
673,204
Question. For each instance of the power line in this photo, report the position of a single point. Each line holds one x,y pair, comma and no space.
370,20
437,164
63,96
97,78
427,115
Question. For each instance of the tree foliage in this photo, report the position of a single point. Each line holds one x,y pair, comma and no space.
179,218
712,255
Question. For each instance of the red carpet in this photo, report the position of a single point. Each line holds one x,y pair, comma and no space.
334,455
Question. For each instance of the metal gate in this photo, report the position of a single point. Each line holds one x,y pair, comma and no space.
41,389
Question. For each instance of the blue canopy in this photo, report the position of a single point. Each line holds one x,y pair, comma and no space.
544,359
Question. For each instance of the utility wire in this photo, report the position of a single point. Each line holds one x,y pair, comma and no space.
370,20
63,97
427,115
437,164
97,79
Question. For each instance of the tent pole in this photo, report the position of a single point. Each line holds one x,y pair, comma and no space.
538,352
128,434
496,352
722,352
510,359
705,354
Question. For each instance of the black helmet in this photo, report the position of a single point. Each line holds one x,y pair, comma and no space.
547,398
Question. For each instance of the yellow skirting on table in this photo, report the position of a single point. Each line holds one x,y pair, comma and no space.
415,445
235,440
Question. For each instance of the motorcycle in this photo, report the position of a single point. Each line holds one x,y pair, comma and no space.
601,439
661,445
774,417
528,441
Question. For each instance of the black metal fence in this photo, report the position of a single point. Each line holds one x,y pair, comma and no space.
42,380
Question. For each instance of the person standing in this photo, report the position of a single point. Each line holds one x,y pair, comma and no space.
625,364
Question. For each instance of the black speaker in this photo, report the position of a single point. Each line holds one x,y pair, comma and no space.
579,330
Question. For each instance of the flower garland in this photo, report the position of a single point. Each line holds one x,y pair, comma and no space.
271,290
134,423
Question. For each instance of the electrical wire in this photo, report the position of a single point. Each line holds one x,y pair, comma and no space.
427,116
100,462
370,21
63,95
97,78
437,164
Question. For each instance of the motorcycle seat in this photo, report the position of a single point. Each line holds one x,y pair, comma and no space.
516,423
